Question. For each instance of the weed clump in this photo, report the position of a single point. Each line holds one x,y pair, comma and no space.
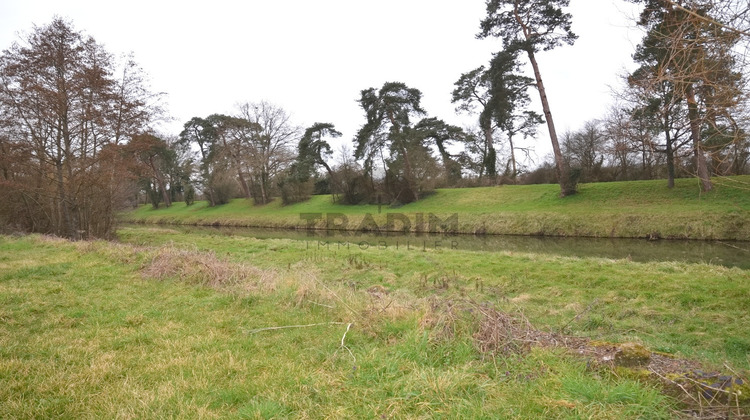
500,332
202,268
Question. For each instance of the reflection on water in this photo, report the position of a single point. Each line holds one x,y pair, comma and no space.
731,254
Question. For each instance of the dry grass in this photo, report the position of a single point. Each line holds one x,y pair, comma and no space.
441,318
204,268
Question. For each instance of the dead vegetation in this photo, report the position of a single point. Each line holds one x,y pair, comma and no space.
203,268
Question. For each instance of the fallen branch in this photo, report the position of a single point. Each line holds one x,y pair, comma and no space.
320,304
344,345
733,246
283,327
678,384
706,386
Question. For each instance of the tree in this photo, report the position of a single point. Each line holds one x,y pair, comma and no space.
585,149
65,112
389,112
508,102
201,133
623,139
437,132
688,47
151,160
532,26
313,150
233,134
180,167
472,93
189,195
269,149
657,109
350,178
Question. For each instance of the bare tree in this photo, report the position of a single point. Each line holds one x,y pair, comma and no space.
232,136
585,149
270,149
61,105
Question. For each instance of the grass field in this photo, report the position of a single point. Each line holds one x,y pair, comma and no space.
618,209
173,325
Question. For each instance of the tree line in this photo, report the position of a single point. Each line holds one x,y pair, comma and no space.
77,141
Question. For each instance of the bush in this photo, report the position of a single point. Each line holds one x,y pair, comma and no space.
350,185
544,174
295,191
225,189
322,186
189,195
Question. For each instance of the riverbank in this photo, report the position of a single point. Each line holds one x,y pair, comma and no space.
174,324
634,209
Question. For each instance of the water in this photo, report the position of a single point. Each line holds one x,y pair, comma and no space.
730,254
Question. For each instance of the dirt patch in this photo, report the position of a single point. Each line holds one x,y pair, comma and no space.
703,394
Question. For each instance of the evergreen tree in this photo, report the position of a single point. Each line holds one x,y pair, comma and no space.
532,26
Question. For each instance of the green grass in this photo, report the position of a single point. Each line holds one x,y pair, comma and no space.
105,330
617,209
696,310
84,334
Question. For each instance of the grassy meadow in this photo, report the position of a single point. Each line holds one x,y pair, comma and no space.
619,209
164,324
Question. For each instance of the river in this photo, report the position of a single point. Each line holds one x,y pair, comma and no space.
730,254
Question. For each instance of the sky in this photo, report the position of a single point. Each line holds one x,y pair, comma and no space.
313,58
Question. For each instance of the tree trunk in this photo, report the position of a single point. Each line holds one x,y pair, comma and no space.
238,164
670,154
695,134
243,183
211,198
487,147
566,187
160,182
263,196
670,164
407,163
408,174
512,158
207,177
331,182
65,164
69,230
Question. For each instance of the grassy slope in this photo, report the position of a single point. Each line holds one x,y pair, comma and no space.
85,335
619,209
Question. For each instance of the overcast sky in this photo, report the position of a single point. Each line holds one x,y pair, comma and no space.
314,57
